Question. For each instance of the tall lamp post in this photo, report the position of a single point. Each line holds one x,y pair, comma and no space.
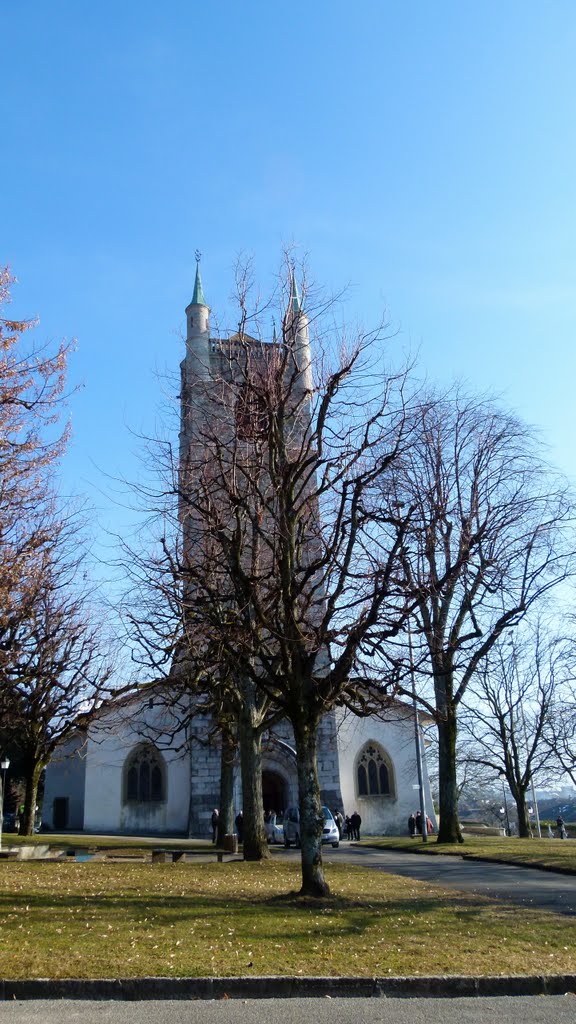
505,808
418,744
4,765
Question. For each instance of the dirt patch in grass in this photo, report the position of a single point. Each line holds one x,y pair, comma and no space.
68,920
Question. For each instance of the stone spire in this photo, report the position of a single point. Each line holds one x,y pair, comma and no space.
296,333
198,331
295,305
198,296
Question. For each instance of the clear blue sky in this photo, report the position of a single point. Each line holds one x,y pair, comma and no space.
422,152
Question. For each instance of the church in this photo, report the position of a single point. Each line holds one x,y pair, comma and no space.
137,769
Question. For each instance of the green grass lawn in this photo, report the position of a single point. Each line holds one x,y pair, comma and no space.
98,919
545,853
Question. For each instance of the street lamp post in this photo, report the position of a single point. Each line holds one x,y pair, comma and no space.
505,806
4,765
418,745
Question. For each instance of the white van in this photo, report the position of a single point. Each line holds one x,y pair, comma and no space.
330,832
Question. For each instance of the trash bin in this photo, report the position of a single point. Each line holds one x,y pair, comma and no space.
230,843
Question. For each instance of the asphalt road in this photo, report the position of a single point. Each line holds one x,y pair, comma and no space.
506,1010
526,886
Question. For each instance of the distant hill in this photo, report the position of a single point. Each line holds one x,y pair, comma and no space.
553,807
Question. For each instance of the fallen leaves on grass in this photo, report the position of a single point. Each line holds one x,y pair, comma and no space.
102,920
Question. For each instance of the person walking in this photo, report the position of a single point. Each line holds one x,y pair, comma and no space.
412,825
562,834
239,822
355,822
214,820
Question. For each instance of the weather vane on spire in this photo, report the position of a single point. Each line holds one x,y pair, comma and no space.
198,255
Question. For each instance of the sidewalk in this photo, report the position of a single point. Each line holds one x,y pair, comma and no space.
548,890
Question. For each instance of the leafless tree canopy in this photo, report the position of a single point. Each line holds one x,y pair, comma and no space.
511,708
285,578
489,536
51,664
31,389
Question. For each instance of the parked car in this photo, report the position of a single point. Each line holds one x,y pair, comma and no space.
330,832
275,828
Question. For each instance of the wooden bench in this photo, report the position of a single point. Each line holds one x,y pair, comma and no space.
162,856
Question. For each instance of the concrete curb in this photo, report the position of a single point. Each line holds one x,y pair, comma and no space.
136,989
556,870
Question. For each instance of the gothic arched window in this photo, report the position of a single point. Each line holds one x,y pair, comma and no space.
374,772
144,775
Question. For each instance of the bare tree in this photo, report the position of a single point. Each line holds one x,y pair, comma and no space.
161,628
287,574
286,580
560,731
510,707
489,536
59,665
51,663
32,383
561,736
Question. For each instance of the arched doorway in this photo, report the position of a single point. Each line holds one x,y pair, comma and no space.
274,791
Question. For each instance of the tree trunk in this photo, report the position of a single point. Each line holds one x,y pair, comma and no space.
449,827
28,818
254,842
226,819
524,830
311,818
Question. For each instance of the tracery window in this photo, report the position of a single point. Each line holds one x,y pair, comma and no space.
144,776
374,773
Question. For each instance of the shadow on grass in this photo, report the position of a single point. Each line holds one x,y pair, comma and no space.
267,916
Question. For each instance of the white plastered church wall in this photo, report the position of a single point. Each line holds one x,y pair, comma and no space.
382,814
111,742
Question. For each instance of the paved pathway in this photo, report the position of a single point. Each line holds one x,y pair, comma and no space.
527,886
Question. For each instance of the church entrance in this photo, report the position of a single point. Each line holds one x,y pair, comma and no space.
274,792
60,812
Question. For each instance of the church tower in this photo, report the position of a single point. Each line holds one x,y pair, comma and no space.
212,372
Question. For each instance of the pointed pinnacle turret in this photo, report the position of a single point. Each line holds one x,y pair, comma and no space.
198,296
294,294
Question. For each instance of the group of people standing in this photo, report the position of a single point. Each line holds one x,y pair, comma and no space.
349,826
415,825
215,821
